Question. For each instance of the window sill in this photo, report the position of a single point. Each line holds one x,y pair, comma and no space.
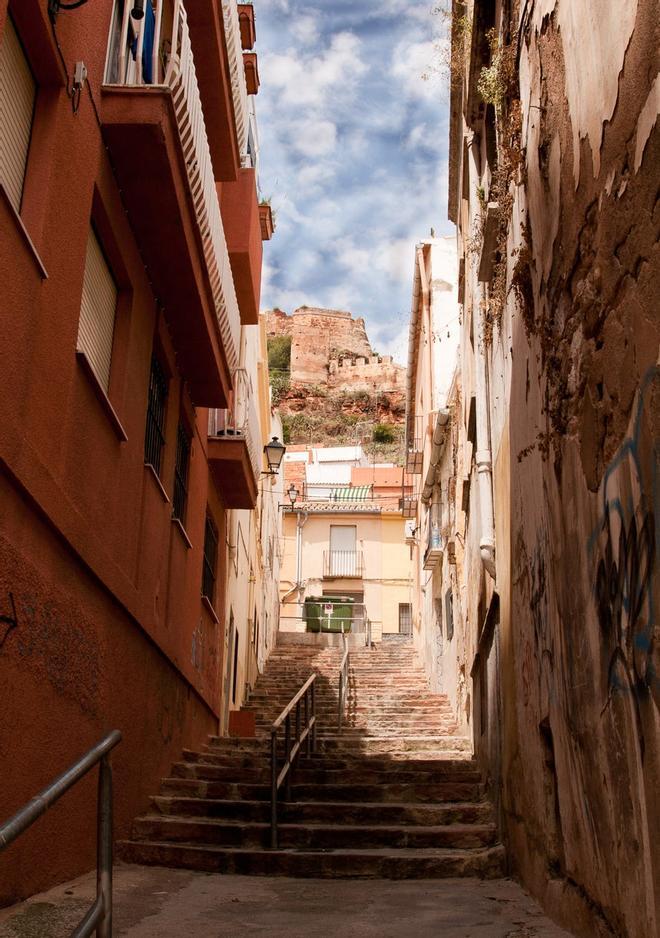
182,531
103,398
27,240
159,484
209,608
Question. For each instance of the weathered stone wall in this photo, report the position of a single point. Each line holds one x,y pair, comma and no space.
365,374
569,315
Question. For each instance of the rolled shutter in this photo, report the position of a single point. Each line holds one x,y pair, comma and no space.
97,311
17,94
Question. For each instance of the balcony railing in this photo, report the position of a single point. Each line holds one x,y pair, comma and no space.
240,420
343,563
434,549
237,75
170,64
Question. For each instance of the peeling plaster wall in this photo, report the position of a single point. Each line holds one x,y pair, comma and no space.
574,410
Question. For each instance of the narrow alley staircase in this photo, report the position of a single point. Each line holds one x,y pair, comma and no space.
395,794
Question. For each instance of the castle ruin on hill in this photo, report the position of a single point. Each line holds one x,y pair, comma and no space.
331,348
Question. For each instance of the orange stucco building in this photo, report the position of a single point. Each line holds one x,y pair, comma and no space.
130,263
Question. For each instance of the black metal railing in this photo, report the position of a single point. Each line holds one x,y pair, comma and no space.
340,563
154,437
343,683
303,700
99,916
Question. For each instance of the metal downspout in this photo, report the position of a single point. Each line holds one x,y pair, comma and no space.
483,455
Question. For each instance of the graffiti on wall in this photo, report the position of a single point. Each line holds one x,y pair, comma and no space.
624,549
8,622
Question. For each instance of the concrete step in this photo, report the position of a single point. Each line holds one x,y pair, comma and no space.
385,863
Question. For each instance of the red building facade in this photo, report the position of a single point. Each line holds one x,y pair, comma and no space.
130,261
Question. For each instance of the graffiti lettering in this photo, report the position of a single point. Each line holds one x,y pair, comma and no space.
11,622
623,547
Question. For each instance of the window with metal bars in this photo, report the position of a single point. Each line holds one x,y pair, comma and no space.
154,439
210,559
181,474
405,619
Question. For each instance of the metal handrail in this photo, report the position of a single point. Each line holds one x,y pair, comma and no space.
99,915
343,683
306,698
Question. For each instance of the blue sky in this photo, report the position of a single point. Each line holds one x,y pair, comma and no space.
353,155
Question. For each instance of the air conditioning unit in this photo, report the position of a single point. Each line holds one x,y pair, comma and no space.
410,531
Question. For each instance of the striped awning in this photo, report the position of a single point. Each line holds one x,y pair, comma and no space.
351,493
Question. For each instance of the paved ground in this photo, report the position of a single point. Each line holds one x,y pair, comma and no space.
158,903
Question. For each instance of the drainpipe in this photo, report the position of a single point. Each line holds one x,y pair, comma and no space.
300,524
437,446
483,455
415,326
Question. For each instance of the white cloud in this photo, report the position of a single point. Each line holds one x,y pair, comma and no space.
352,144
305,28
410,61
308,79
313,137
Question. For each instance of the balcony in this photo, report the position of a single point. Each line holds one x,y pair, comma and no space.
215,34
239,91
234,446
343,564
240,216
415,437
153,125
434,550
408,506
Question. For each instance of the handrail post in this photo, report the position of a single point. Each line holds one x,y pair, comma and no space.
287,746
104,847
313,690
309,735
341,698
273,789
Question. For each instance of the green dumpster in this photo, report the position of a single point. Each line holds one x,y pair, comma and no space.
328,613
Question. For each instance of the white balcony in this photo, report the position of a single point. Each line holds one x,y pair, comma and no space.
235,446
150,85
237,76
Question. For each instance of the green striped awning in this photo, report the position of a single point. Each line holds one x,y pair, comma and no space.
351,493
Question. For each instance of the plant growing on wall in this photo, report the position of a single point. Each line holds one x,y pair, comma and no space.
383,433
451,50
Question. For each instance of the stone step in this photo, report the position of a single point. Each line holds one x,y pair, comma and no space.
349,761
371,813
222,832
260,774
385,863
392,743
409,792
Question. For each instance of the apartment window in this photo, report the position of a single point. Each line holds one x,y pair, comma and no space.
405,619
181,474
96,326
210,559
18,92
154,439
449,614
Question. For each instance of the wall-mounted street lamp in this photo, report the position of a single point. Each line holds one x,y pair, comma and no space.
292,494
274,453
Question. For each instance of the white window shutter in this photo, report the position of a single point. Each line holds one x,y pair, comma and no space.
17,95
97,311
